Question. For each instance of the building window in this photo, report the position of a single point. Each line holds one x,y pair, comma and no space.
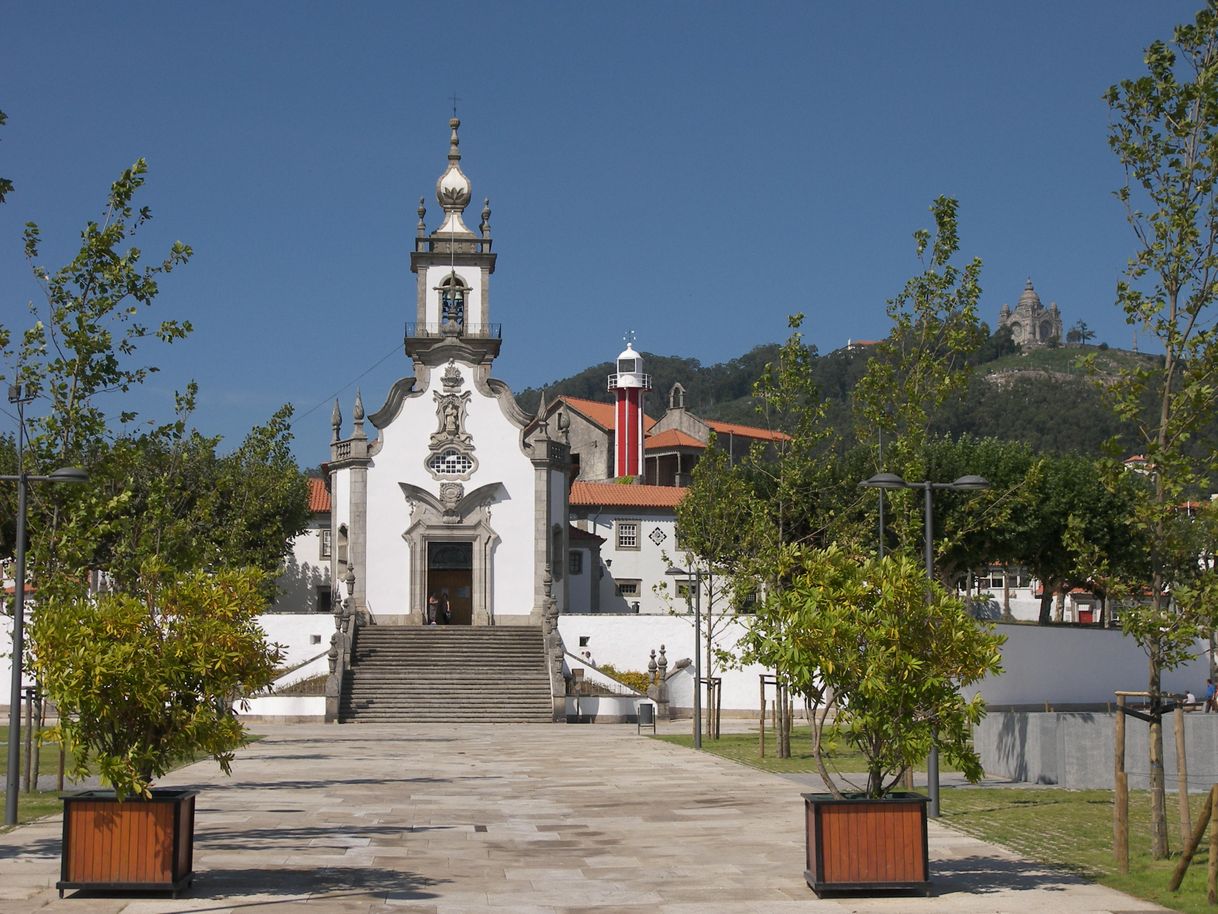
450,462
575,562
684,591
628,534
325,543
628,588
324,601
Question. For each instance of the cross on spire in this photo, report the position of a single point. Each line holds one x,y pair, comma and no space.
455,99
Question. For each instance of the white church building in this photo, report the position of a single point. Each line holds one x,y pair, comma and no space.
459,495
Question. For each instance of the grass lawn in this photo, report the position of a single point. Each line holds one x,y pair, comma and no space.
742,748
1071,829
41,803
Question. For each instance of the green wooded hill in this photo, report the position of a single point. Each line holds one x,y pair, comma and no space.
1045,398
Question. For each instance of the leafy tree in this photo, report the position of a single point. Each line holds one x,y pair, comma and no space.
923,362
1079,334
147,670
925,359
1163,131
784,471
713,523
997,345
881,663
143,682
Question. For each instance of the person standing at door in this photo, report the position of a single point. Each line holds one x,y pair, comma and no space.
446,613
433,607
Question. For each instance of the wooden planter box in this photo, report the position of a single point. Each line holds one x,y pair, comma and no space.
136,845
858,844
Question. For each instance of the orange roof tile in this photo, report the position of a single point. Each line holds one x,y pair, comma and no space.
625,496
319,497
603,414
672,437
746,431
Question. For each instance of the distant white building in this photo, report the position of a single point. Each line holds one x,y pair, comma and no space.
305,584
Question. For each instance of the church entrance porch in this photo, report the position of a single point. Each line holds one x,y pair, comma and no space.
450,573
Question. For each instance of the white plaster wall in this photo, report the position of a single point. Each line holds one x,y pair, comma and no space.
646,564
473,303
626,642
303,635
6,666
403,452
1062,665
304,570
1057,665
290,706
340,510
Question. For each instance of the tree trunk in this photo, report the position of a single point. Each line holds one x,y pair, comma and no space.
1158,792
1046,605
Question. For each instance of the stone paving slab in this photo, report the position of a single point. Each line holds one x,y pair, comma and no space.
443,819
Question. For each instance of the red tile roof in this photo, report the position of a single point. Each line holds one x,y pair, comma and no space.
319,497
746,431
603,414
625,496
670,438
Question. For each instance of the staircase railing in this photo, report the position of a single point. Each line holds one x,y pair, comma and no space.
346,625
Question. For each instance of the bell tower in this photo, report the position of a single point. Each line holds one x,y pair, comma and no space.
453,265
631,385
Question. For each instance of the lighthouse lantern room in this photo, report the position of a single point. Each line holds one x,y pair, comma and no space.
630,385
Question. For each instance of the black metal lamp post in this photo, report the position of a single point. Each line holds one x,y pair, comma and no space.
17,394
963,484
695,579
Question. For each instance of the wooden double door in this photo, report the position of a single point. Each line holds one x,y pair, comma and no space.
450,573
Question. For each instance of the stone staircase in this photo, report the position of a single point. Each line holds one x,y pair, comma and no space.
417,674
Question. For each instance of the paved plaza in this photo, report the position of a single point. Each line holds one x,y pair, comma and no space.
535,818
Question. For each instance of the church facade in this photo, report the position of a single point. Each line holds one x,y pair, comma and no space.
456,492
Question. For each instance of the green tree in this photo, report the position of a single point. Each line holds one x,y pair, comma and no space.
881,663
1163,131
924,360
713,523
143,682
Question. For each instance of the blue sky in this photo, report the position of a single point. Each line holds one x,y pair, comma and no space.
690,171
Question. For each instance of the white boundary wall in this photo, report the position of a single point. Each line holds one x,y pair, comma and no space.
304,635
1063,665
1058,665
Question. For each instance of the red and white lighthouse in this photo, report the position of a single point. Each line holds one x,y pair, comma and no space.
630,385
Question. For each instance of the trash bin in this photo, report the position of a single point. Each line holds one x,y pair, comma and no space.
646,716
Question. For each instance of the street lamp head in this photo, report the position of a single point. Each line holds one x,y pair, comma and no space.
884,481
69,474
971,482
676,572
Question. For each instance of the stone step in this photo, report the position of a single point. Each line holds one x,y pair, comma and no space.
447,673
